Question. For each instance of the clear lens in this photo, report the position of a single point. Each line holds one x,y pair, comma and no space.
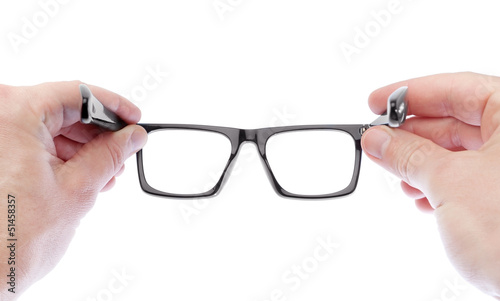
312,162
185,161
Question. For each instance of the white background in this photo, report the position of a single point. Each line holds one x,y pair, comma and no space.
262,63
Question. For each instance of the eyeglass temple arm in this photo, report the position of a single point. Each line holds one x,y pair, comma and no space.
94,112
397,109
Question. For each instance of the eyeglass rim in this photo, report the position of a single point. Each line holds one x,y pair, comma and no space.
259,136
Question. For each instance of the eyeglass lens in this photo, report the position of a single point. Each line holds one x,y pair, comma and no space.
306,162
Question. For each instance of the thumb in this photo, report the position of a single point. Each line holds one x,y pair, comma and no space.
93,166
408,156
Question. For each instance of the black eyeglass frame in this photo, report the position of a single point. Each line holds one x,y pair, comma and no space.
260,137
94,112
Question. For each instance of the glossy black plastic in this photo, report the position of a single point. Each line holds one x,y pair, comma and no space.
94,112
260,137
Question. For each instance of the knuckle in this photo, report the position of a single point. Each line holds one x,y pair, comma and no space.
413,157
5,95
77,82
5,91
117,155
79,192
454,133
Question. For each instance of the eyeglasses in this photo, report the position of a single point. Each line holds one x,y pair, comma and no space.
302,161
314,161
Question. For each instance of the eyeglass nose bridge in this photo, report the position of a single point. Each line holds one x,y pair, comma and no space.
258,137
249,136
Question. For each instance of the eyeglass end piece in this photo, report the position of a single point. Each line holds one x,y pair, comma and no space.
94,112
397,108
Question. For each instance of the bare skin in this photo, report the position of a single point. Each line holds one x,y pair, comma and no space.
54,167
448,158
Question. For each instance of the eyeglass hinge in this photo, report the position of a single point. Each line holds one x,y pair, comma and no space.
363,129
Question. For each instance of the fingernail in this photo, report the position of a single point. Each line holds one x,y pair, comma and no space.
375,141
139,138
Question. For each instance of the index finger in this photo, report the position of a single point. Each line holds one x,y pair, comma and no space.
459,95
59,104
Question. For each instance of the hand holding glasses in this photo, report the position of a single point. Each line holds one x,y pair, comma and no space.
302,161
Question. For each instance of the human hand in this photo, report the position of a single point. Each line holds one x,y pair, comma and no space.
448,158
54,167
